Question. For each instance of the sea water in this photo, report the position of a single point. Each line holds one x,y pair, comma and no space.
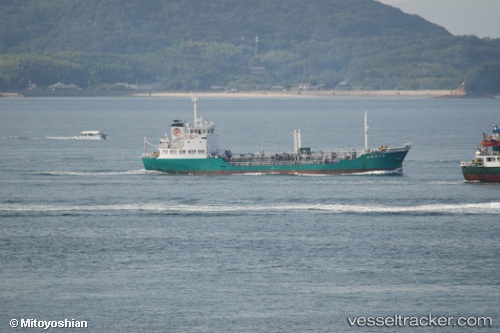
86,234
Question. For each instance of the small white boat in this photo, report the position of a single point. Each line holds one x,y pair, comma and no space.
92,135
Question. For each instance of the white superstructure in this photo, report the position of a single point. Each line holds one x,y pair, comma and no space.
188,140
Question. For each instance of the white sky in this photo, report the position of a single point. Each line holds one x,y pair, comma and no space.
459,17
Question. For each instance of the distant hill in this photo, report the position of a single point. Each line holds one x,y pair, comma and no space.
188,44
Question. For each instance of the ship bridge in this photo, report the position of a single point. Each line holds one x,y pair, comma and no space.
188,140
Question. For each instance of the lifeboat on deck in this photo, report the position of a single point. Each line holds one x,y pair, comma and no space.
490,142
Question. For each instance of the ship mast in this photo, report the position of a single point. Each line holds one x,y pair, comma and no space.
366,132
299,139
195,101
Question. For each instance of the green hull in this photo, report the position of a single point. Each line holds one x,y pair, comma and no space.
217,166
482,174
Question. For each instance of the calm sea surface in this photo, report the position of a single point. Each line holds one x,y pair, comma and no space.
87,234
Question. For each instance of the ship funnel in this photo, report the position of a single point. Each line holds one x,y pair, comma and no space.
297,141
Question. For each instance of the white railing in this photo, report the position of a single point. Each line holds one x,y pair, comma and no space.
280,163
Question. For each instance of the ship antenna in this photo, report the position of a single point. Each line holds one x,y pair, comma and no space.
366,132
195,101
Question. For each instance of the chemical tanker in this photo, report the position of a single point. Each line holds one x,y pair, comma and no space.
192,148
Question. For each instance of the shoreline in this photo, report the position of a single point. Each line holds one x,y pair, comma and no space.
254,94
305,94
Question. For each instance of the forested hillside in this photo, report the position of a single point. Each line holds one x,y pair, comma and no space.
189,44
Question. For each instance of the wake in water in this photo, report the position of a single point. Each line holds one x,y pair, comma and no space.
48,138
95,173
448,209
396,172
62,138
19,138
